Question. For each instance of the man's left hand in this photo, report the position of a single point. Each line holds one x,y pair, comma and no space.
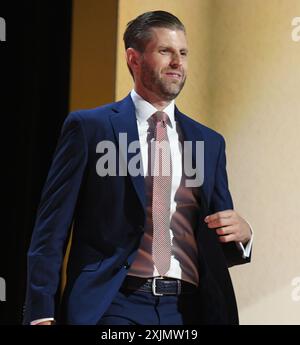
230,226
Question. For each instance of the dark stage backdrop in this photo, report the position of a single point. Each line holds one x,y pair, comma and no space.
34,101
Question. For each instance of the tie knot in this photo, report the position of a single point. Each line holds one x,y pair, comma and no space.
160,116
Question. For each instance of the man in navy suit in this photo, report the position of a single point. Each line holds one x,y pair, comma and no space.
101,181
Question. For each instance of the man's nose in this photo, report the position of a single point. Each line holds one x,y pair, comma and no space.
176,60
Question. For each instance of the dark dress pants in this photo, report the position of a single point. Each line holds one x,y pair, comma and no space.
143,308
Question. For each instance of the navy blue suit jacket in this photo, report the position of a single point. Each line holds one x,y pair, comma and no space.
108,217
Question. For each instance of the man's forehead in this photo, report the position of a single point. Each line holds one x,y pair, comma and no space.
164,36
162,31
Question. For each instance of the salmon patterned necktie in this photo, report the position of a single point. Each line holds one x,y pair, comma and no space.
162,183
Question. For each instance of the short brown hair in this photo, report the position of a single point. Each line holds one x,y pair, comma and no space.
138,30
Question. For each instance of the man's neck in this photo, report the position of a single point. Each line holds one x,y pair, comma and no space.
156,101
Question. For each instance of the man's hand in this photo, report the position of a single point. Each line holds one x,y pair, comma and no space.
230,226
44,323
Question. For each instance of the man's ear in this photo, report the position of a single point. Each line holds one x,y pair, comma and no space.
133,58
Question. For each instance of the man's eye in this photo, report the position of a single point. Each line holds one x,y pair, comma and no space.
163,51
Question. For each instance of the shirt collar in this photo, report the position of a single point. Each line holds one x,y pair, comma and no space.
144,110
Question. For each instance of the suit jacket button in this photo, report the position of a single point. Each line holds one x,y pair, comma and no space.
127,265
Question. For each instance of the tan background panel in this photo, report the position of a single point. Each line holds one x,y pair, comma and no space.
256,105
93,58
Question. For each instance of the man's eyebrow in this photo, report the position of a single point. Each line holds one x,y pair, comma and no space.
168,47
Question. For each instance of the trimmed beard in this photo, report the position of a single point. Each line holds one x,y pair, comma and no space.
151,82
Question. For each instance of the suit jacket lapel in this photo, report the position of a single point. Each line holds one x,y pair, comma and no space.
123,121
188,132
193,134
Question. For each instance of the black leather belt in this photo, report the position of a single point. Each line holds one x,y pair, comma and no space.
158,286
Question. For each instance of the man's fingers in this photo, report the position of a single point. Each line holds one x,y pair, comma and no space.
44,323
229,226
218,215
227,238
219,223
226,230
232,233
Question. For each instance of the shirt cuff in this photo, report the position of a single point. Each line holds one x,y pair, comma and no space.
35,322
246,250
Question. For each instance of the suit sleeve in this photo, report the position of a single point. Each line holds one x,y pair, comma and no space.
221,200
54,217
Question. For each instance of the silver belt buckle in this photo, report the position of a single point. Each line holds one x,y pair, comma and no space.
154,286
